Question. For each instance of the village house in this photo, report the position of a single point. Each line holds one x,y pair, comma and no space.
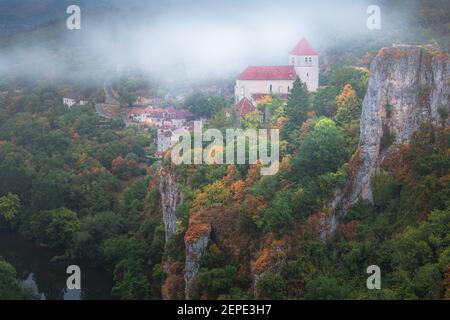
3,95
168,137
266,80
159,117
164,140
139,115
71,98
142,101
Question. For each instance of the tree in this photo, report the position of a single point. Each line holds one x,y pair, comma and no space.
202,106
326,288
9,207
213,195
271,286
94,230
427,282
9,286
272,106
252,120
277,218
321,151
63,225
348,116
356,77
297,107
217,280
130,280
324,104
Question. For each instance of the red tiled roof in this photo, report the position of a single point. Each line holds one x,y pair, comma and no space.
268,73
303,48
136,111
244,107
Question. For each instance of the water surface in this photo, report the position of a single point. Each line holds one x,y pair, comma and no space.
35,268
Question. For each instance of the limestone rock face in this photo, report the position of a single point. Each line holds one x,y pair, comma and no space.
194,250
408,86
170,194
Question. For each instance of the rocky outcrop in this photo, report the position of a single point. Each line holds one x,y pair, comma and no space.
196,241
170,194
269,259
408,86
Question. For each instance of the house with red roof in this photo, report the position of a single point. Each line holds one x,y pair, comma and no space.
266,80
244,107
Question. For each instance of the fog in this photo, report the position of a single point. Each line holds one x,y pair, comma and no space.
178,39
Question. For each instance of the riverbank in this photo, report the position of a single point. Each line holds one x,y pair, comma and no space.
47,279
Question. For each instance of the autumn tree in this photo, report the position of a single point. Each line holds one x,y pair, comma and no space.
348,116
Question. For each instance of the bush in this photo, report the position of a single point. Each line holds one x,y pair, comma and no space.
271,287
217,281
277,218
326,288
384,188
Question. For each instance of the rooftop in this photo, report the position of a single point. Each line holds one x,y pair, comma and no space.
303,48
268,73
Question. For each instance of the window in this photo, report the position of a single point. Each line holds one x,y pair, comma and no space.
293,60
270,89
310,60
306,59
289,89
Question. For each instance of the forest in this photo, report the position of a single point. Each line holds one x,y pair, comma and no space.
90,189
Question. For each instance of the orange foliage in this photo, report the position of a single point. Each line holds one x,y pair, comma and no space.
173,286
446,284
349,229
198,227
238,188
305,128
254,174
254,204
232,174
347,94
316,224
263,261
280,121
270,257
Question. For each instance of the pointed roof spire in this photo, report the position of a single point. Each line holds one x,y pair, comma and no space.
303,48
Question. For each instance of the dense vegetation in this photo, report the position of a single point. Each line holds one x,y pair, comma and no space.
88,187
75,182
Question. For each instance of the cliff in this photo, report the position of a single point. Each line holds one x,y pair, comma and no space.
408,87
170,194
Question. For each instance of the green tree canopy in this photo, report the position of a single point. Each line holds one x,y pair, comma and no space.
297,108
322,150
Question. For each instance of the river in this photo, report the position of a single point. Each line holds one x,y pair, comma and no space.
35,268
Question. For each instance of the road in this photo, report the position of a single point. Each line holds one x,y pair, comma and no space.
109,96
109,100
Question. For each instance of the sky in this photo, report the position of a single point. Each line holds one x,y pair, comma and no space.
179,38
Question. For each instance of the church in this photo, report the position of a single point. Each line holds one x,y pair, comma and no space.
257,82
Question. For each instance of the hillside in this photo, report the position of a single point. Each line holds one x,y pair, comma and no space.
363,180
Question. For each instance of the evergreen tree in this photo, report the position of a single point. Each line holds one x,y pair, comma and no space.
297,108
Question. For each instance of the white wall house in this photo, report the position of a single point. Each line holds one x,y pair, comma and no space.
70,99
303,62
